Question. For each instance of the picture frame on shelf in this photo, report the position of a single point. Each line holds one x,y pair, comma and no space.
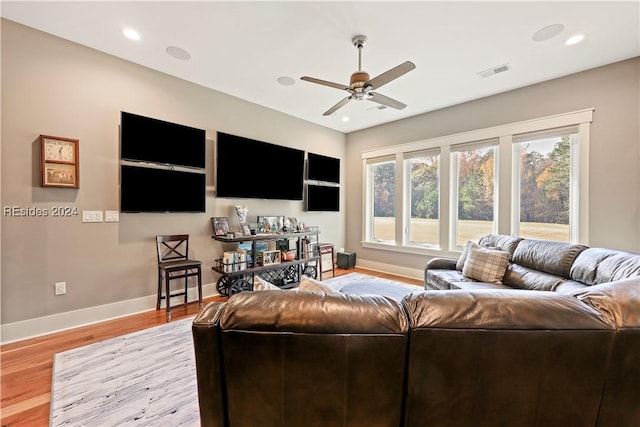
270,224
220,225
271,257
246,230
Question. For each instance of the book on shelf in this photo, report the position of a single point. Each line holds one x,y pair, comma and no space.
234,261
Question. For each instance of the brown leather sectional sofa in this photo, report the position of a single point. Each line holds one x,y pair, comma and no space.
465,357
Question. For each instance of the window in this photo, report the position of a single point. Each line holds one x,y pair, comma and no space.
475,191
423,182
381,177
528,179
546,184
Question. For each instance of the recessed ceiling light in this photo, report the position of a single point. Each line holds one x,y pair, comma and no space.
178,53
345,119
131,34
548,32
286,81
575,39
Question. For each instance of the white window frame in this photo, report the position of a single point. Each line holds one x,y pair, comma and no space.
504,180
574,175
406,196
468,146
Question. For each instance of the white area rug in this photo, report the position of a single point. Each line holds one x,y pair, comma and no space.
362,284
146,378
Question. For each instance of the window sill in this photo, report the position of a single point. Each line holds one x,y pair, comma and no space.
415,250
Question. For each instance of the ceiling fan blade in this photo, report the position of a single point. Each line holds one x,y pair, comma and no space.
337,106
385,100
325,83
391,74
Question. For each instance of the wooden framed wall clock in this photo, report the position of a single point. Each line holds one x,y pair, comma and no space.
60,162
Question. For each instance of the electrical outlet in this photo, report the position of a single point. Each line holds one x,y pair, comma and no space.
111,216
91,216
60,288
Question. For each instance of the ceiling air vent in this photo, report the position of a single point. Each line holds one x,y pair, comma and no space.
492,71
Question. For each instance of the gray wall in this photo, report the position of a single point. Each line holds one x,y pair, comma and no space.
614,182
51,86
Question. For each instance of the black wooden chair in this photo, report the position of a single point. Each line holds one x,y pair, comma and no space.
174,263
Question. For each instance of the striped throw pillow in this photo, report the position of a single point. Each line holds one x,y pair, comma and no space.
485,265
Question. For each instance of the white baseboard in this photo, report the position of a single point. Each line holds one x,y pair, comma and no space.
39,326
411,273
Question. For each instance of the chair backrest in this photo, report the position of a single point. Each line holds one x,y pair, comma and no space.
172,247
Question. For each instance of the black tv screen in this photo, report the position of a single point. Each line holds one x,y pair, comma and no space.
144,189
151,140
247,168
323,198
323,168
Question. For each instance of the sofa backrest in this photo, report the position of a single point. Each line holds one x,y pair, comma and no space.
597,265
500,241
548,256
302,359
504,358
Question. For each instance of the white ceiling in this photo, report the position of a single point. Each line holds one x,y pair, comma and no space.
241,48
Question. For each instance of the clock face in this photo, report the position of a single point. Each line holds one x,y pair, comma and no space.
62,151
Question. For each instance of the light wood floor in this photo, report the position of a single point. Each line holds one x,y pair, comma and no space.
26,367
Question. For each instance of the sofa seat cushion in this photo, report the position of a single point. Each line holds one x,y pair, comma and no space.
518,276
551,257
568,287
474,285
453,279
441,279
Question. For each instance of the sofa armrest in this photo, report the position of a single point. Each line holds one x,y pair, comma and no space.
439,264
207,346
618,302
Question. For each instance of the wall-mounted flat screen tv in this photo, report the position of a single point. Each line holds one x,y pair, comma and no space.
144,139
146,189
323,198
251,169
323,168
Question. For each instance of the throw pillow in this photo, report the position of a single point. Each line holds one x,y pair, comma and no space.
485,265
259,284
463,255
311,285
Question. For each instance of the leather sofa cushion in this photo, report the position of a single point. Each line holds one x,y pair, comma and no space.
278,311
569,286
453,279
518,276
548,256
473,285
501,241
501,309
597,265
617,301
442,279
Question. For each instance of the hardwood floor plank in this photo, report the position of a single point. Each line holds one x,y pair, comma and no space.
26,367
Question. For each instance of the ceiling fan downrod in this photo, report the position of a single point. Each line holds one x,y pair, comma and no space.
359,78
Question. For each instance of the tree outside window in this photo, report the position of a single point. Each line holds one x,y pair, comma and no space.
476,190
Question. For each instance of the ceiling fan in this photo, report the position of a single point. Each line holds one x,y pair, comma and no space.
361,86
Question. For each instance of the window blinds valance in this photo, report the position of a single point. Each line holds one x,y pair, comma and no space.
543,134
475,145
